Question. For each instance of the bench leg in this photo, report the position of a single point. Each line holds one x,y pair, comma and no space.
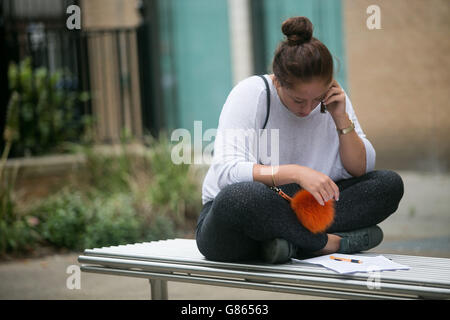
158,289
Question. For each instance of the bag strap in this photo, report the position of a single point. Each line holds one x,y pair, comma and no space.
268,99
268,104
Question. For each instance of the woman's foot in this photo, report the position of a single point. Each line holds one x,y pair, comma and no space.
332,245
360,240
280,251
277,251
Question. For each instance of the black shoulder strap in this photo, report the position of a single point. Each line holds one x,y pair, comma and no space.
268,99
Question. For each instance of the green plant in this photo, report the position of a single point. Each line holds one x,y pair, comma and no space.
115,222
63,219
161,227
170,189
71,220
173,187
46,105
15,232
107,173
123,198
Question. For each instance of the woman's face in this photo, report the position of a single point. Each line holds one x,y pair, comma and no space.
303,97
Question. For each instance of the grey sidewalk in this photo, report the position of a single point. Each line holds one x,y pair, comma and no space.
46,279
421,226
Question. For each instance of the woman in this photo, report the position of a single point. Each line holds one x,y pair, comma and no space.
326,154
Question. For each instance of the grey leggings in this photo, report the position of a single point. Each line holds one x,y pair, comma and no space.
242,215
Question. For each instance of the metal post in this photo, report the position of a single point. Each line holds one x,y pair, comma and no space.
158,289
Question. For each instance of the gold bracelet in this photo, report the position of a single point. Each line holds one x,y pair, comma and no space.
273,178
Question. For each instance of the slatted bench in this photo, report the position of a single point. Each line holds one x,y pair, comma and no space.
179,260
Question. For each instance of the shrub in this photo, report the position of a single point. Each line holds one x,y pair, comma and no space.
115,222
16,235
122,198
71,220
173,187
106,173
64,218
162,227
47,105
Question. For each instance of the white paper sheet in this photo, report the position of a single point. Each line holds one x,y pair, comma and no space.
368,264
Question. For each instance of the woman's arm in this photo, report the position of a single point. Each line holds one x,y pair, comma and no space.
235,146
283,174
318,184
351,148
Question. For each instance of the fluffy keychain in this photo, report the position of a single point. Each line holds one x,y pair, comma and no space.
313,216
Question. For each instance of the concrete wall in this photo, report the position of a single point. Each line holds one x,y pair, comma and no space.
240,39
399,80
109,13
110,56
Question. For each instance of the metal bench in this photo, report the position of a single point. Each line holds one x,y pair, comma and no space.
180,260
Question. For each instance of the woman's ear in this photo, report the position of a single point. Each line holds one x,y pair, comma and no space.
276,83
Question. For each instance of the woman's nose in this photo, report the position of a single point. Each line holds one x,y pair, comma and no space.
309,107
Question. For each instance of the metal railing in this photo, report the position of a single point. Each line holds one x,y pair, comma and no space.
104,63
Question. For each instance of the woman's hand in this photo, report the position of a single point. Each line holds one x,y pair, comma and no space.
318,184
335,100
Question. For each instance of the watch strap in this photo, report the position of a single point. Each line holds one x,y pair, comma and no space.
346,130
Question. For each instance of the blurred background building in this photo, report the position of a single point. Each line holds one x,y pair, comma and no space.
153,65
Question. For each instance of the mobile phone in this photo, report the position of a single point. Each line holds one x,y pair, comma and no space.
323,107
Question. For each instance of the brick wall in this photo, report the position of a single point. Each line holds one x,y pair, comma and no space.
399,80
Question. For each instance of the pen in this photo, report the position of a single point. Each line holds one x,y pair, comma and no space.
345,259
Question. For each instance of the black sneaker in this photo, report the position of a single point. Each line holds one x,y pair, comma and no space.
277,251
360,240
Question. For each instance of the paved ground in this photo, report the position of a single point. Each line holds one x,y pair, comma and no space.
421,226
46,279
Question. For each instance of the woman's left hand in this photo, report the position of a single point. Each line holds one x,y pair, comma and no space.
335,100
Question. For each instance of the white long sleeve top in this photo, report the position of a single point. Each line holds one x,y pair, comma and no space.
310,141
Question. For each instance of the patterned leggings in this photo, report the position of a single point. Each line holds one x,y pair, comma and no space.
242,215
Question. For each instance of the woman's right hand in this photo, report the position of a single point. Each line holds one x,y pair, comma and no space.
318,184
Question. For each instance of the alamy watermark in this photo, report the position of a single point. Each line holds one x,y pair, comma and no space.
74,280
374,279
374,20
73,22
243,144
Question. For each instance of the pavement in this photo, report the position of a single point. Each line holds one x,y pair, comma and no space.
421,226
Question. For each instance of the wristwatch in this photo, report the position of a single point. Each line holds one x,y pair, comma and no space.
346,130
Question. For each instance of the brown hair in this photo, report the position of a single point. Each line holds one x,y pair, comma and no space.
301,57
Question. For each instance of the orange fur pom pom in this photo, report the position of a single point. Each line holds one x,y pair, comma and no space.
313,216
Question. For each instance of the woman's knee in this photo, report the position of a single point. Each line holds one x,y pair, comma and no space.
392,187
393,182
223,244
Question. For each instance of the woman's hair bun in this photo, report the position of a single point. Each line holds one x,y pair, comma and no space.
298,30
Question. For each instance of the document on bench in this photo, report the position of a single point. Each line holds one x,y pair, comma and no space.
344,263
